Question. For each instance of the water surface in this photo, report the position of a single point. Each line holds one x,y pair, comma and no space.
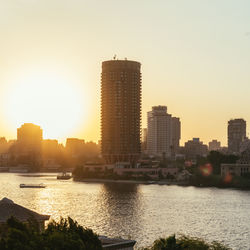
140,212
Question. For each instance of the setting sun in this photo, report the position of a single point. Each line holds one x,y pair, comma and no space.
52,101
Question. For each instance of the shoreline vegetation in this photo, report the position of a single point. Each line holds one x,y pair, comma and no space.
100,180
206,172
168,183
201,181
68,234
216,181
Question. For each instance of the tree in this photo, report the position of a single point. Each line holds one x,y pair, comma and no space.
216,159
166,244
68,234
185,243
64,235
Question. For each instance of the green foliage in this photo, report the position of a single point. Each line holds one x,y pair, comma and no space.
68,234
185,243
214,179
17,235
216,159
65,235
166,244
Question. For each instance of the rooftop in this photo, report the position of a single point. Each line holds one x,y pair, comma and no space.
8,208
115,243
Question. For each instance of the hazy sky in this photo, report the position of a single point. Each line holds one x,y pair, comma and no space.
195,57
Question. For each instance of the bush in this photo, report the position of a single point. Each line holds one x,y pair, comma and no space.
65,235
185,243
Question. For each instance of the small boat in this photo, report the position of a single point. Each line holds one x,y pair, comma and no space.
151,182
64,176
41,185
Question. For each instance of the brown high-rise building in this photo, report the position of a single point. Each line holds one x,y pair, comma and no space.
236,134
29,139
121,111
30,135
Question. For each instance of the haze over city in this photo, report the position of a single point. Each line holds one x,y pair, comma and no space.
124,124
194,56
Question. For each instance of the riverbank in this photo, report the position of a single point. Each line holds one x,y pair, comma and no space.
145,212
162,182
234,185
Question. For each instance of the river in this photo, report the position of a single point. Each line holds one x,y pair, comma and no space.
137,211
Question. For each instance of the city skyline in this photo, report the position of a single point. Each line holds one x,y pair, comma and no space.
195,60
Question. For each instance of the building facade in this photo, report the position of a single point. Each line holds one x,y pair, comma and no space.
236,134
144,140
194,148
29,133
214,145
175,135
159,131
121,111
235,169
29,138
163,132
75,146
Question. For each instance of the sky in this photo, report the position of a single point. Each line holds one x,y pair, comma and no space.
195,58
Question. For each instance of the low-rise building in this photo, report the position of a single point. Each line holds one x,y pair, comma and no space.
116,243
4,159
153,173
51,165
10,209
235,169
214,145
194,148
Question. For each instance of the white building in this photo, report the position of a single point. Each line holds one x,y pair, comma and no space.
163,133
235,169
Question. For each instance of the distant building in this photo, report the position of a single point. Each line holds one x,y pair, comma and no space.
151,172
121,111
144,134
50,148
29,138
51,165
75,146
163,134
236,134
194,148
27,149
50,144
4,160
4,145
144,139
235,169
8,209
214,145
224,150
175,135
244,152
159,131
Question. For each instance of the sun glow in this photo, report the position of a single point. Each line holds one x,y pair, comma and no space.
50,100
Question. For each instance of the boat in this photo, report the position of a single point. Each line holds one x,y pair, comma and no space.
64,176
151,182
41,185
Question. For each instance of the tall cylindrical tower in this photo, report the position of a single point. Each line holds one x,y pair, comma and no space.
121,111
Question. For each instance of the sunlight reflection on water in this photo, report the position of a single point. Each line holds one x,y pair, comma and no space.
142,212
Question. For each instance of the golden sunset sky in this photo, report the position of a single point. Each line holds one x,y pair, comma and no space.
195,58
